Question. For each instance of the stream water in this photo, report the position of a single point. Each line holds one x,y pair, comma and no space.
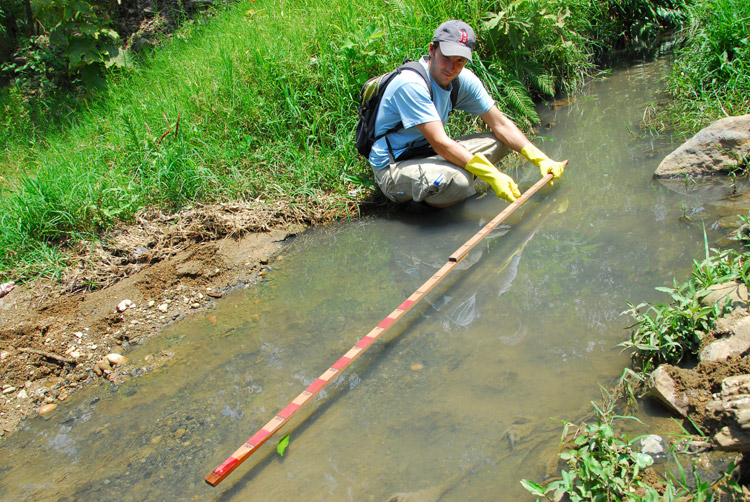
465,395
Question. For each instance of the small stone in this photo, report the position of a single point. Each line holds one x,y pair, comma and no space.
23,394
8,389
3,355
163,307
214,295
47,408
124,305
116,359
417,367
78,334
104,365
179,433
652,445
195,305
151,303
75,354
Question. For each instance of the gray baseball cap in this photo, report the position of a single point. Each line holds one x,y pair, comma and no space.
456,38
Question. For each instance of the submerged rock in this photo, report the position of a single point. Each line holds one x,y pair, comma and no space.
47,408
715,149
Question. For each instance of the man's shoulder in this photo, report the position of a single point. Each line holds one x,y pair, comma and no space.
409,79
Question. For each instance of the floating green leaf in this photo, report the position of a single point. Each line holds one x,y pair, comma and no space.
283,443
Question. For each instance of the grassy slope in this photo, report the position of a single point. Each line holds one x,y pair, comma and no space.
259,104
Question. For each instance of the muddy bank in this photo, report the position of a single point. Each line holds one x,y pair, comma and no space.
55,335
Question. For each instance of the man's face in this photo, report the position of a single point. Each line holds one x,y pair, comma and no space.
445,68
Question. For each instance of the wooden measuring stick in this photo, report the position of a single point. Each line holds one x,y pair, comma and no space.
268,430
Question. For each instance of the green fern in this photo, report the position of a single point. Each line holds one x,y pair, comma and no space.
519,101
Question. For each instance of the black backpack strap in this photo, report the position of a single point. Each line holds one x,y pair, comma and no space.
417,67
454,92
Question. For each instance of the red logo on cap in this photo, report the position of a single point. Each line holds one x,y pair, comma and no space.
464,37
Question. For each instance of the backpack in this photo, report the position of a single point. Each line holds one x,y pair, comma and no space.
369,101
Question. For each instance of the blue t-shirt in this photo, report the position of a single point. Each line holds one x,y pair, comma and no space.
407,100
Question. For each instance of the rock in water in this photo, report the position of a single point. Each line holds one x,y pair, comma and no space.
716,148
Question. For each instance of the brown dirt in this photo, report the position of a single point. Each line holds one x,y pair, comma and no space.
53,334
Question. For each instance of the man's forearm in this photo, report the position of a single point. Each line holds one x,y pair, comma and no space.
505,129
443,145
453,152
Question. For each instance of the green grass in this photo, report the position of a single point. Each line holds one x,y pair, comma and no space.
256,102
711,77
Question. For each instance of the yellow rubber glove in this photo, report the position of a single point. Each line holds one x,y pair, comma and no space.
501,183
544,163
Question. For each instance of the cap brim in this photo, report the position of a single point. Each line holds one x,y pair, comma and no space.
455,49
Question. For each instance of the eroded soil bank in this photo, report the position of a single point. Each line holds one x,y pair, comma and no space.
55,334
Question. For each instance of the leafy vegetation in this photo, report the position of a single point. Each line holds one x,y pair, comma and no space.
711,77
667,333
604,464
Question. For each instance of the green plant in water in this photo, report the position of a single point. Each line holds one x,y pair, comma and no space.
601,465
667,333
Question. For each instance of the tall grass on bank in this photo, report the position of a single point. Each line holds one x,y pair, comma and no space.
711,77
257,103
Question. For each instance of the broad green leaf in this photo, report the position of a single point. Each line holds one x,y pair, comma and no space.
283,443
534,488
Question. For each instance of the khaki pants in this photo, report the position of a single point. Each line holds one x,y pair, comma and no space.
435,180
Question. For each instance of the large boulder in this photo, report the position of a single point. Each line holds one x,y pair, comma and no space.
716,149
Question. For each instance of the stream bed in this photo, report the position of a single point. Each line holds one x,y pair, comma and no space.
463,397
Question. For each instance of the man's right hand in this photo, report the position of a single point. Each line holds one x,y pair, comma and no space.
501,183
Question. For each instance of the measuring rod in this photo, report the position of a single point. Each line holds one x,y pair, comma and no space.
312,390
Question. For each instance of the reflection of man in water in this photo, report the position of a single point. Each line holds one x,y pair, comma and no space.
413,158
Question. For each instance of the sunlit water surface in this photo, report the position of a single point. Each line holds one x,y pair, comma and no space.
466,394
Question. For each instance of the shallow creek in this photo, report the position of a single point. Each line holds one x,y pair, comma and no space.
464,396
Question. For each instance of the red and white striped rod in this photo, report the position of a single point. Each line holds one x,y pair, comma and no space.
278,421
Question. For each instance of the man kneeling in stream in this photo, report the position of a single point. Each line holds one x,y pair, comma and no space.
420,162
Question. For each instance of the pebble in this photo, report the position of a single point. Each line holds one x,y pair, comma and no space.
151,303
195,305
116,359
47,408
23,394
3,355
163,307
417,367
179,433
8,389
124,305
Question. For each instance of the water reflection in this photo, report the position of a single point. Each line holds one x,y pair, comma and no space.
462,398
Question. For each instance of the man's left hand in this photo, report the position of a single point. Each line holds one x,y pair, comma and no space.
544,163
